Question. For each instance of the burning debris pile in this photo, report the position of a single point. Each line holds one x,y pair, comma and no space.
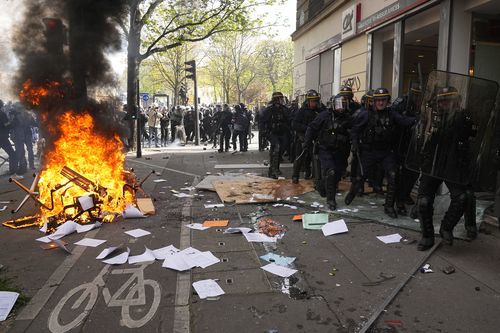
61,46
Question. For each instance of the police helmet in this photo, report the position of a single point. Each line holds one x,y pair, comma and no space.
313,95
340,103
447,93
278,98
381,93
347,92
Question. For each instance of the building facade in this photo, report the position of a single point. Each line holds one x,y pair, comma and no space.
389,43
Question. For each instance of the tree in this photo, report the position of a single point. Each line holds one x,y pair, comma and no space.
155,26
276,64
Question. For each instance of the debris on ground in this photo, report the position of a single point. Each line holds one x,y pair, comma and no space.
426,269
270,227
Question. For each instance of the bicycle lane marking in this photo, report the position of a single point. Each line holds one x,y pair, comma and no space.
43,295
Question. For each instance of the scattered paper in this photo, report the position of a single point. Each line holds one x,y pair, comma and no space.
279,270
61,244
86,202
214,205
388,239
290,206
64,229
178,262
90,242
216,223
301,201
7,301
44,228
148,255
277,259
314,221
335,227
4,202
164,252
182,195
258,237
242,230
190,188
132,212
106,252
196,226
119,259
207,288
278,205
203,259
44,239
3,208
87,227
297,218
137,233
161,180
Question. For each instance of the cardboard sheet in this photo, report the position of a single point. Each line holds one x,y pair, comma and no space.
206,183
215,223
146,206
267,190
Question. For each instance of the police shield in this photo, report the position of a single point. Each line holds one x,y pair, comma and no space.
451,139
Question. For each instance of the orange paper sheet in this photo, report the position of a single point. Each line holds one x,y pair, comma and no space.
216,223
297,218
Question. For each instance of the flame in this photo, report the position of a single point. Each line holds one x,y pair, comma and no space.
95,156
34,95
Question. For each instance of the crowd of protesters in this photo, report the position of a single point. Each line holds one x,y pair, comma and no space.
18,136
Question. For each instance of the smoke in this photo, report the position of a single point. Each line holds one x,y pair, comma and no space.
73,55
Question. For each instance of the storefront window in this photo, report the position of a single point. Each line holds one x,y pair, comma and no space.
485,50
382,57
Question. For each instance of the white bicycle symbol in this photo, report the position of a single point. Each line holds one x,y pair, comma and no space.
89,292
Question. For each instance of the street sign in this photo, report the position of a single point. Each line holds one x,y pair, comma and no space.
144,96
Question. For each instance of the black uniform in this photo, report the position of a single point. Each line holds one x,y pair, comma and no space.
373,133
331,130
224,125
5,144
276,126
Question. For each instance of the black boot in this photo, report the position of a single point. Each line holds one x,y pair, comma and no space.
446,235
427,229
401,209
331,189
452,216
390,196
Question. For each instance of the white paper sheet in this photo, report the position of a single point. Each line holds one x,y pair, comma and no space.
91,242
161,180
279,270
106,252
7,301
177,262
44,239
214,205
258,237
242,230
119,259
164,252
87,227
3,208
61,244
182,195
335,227
207,288
190,188
290,206
64,229
4,202
203,259
197,226
86,202
137,233
44,228
148,255
131,212
388,239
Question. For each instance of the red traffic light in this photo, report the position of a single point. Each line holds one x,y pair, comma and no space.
52,23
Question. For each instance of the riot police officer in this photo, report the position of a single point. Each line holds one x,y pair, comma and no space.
225,119
346,91
275,121
331,129
445,152
310,109
372,138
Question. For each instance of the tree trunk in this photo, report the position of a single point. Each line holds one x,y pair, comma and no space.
133,62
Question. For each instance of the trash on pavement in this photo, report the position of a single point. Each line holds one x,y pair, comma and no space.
258,237
389,239
148,255
215,223
335,227
449,270
106,252
146,206
214,205
279,270
90,242
297,218
207,288
64,229
426,269
277,259
7,301
314,221
242,230
137,233
196,226
270,227
118,259
161,180
3,208
132,212
189,258
182,195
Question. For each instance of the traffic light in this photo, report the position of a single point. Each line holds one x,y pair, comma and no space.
190,69
55,34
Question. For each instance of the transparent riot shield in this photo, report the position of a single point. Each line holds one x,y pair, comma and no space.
450,140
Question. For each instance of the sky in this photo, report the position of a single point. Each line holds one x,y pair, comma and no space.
11,10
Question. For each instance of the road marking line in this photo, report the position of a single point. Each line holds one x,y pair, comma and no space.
164,168
183,287
249,166
43,295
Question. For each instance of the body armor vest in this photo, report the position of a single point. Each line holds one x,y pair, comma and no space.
378,133
335,134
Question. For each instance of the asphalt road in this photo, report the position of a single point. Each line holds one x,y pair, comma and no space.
341,283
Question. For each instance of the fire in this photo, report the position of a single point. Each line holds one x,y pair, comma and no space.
96,157
34,95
